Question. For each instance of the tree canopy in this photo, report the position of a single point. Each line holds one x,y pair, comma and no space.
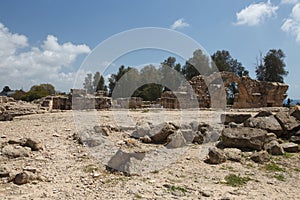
272,67
224,62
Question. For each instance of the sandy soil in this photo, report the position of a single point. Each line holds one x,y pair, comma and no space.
68,170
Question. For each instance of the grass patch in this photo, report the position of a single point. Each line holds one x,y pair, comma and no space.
297,170
90,168
137,196
174,188
235,180
272,167
279,177
145,111
287,155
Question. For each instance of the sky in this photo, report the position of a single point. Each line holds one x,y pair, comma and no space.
46,41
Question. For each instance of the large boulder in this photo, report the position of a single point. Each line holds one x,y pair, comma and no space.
287,122
268,123
236,118
290,147
216,156
295,139
260,157
12,151
274,148
160,133
176,140
244,138
142,129
295,112
233,154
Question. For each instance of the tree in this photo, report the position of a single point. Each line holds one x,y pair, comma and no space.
224,62
169,72
114,78
273,69
260,68
99,82
50,88
200,62
6,89
88,85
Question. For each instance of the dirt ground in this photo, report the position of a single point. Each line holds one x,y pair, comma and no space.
68,170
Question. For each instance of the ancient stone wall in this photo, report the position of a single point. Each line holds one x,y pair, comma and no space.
251,93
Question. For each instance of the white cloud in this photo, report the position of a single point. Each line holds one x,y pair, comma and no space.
292,24
48,63
289,1
178,24
256,13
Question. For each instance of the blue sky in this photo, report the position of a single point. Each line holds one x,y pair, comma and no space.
46,41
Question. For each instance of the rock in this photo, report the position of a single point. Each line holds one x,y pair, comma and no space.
288,123
216,156
236,118
263,113
104,130
161,133
5,116
234,125
295,139
146,139
244,138
198,139
12,151
274,148
33,144
142,129
176,140
3,172
21,178
125,162
268,123
290,147
260,157
270,137
188,135
295,112
233,154
26,177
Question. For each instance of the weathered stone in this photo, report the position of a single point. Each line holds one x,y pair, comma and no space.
102,130
233,154
269,124
295,112
263,113
21,178
4,172
124,162
12,151
244,138
188,135
198,139
146,139
260,157
216,156
33,144
295,139
236,118
270,137
5,116
176,140
142,129
288,123
290,147
234,125
161,133
274,148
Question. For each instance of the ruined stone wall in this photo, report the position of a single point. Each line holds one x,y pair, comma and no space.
252,93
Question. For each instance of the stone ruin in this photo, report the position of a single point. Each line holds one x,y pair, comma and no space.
251,93
77,99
